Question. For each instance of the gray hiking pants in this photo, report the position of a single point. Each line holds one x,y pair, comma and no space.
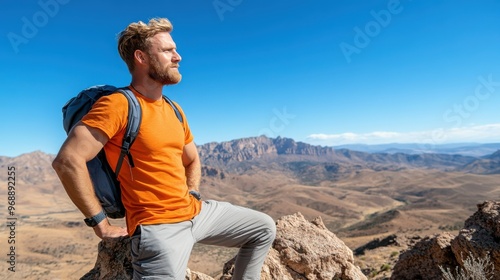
162,251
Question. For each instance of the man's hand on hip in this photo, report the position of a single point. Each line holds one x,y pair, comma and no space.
105,230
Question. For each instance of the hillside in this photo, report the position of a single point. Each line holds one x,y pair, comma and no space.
360,196
487,165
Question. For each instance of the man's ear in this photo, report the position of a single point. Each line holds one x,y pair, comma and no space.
140,57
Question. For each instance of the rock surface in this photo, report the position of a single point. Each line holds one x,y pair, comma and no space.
480,238
422,261
114,262
306,250
302,250
312,251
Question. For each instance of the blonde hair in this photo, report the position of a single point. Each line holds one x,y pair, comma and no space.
136,35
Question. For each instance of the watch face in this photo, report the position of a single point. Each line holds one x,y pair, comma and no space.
90,222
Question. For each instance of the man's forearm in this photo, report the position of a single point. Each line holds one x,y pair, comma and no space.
193,175
75,179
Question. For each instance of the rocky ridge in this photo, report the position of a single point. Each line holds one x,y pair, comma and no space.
235,154
307,250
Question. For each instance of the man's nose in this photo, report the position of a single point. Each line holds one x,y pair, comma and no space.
176,57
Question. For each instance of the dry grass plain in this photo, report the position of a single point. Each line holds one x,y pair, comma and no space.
53,243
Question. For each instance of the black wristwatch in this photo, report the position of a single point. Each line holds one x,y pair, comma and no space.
196,194
93,221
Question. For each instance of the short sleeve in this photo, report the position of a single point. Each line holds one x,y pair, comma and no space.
109,114
188,136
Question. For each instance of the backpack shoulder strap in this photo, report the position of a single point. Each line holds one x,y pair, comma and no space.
133,124
176,110
132,129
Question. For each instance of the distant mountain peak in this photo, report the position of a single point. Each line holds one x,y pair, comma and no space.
494,156
33,167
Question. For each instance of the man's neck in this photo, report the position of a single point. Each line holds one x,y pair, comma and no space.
149,89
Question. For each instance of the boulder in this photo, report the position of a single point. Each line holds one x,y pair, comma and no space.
113,260
306,250
479,240
480,237
423,260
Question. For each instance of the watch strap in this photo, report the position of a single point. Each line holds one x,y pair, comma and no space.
95,220
196,194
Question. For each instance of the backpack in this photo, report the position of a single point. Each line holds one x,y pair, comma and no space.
104,178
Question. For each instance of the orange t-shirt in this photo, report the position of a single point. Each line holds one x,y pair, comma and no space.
155,190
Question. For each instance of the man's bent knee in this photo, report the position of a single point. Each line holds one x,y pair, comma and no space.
269,233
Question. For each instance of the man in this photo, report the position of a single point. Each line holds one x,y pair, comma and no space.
164,218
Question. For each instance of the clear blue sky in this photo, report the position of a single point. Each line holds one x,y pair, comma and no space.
324,72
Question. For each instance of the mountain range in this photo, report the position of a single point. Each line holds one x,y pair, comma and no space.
303,162
242,154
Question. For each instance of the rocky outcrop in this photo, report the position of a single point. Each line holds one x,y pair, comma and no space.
480,239
306,250
301,250
481,236
312,251
423,260
114,262
219,154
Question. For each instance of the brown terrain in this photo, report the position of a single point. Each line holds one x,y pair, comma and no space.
378,204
